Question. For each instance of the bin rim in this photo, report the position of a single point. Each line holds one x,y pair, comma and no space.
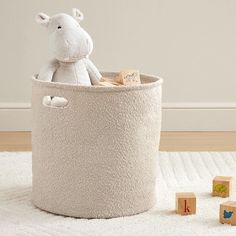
151,81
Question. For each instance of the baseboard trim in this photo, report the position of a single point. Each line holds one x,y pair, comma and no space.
199,119
15,119
195,105
176,117
15,105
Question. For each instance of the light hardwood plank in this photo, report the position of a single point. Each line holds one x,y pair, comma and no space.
15,141
170,141
198,141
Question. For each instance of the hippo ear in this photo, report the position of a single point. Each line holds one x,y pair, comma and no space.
77,14
42,19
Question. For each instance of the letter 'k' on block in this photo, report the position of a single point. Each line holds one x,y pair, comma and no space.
185,203
228,213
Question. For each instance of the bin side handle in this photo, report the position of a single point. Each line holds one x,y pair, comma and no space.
54,101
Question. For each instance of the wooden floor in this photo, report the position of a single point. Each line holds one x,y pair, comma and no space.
170,141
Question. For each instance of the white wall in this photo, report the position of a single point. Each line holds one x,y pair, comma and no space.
190,43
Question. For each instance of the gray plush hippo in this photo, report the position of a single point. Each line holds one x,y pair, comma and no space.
71,45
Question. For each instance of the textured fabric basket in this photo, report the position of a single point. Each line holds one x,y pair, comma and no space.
96,157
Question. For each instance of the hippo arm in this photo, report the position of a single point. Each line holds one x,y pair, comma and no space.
93,72
47,71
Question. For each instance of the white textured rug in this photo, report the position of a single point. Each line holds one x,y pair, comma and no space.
176,172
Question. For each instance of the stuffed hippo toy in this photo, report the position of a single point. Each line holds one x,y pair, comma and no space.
71,46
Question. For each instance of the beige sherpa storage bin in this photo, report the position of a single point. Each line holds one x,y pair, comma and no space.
96,157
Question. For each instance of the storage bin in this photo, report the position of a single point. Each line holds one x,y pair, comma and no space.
96,157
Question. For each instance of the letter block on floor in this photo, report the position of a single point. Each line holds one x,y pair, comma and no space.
185,203
222,186
228,213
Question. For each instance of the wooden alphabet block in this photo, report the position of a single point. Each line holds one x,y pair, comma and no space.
106,84
222,186
109,81
185,203
228,213
129,77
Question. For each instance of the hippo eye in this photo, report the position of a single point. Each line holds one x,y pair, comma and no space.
59,27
